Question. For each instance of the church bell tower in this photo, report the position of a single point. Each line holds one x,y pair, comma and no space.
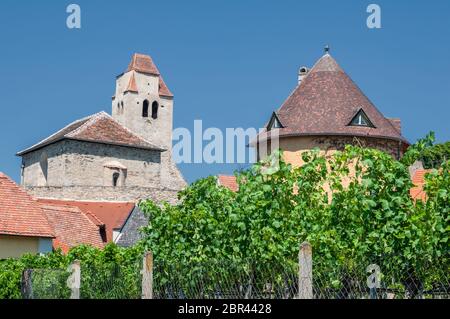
143,103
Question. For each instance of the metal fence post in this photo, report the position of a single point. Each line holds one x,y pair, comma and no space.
74,280
147,276
305,286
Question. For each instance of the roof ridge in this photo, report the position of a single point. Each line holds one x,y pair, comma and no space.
55,134
93,119
55,206
88,214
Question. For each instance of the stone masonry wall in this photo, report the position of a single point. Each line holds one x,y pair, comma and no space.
101,193
76,170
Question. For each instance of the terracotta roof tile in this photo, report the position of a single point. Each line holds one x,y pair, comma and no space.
112,214
144,64
229,182
20,214
324,104
97,128
71,226
417,192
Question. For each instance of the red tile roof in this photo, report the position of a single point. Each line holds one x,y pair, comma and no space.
144,64
112,215
229,182
326,101
71,226
417,192
20,214
97,128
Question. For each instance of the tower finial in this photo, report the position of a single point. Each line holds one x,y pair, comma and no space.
327,49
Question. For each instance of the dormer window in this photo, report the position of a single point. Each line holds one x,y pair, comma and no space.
274,122
361,119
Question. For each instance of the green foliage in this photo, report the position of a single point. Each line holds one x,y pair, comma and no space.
432,155
106,274
355,209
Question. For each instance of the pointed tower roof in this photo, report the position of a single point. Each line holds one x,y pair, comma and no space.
144,64
325,103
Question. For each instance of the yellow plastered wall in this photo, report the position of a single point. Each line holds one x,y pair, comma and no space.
16,246
295,146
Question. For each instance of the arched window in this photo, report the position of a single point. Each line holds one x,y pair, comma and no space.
145,109
116,179
155,110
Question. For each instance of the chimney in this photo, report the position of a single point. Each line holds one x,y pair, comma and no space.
302,73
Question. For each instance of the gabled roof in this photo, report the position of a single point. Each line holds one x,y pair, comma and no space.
144,64
111,214
20,214
72,227
97,128
326,101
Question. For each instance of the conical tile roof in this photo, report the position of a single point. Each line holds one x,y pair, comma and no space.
325,103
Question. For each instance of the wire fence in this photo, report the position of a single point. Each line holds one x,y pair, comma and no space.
371,279
225,281
381,280
111,281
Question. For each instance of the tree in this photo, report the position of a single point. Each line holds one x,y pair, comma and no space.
354,209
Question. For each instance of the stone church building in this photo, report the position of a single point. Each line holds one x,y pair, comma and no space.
125,156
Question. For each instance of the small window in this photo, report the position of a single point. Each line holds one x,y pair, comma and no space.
361,119
155,110
145,109
116,179
274,123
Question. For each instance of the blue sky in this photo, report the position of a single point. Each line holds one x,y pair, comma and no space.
229,63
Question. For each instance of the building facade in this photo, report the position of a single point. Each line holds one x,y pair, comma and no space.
123,157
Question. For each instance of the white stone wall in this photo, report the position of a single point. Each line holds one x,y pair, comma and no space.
157,131
32,171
